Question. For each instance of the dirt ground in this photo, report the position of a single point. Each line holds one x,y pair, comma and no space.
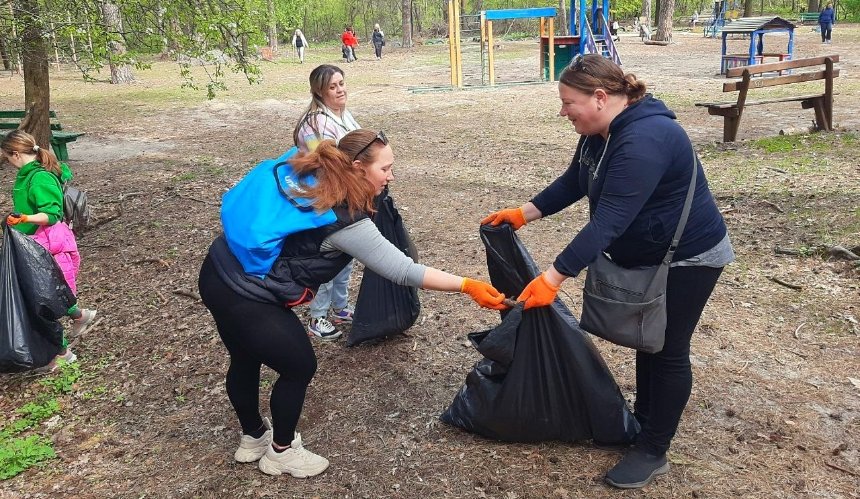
775,409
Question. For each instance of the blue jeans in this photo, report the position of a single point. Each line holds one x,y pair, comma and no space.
826,30
332,294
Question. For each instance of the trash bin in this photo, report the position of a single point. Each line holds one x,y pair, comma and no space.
566,48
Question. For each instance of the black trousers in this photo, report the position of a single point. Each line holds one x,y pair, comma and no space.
826,30
255,334
664,379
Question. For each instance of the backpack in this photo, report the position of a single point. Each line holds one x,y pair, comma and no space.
76,211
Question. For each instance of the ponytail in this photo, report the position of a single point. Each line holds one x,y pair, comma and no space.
48,161
338,180
635,89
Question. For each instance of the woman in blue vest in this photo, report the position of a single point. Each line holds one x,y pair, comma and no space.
634,163
254,316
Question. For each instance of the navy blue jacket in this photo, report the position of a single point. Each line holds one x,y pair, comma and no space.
827,16
638,193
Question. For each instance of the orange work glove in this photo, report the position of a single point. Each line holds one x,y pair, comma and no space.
538,293
513,216
484,294
16,218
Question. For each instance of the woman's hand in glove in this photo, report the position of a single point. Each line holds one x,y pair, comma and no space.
484,294
513,216
539,293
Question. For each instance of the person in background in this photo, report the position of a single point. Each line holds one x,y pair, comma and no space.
327,118
300,43
634,165
825,21
350,42
37,198
378,41
255,318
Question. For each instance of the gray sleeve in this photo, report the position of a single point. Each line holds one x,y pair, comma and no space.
363,242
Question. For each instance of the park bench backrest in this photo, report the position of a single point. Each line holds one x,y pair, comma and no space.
774,67
9,120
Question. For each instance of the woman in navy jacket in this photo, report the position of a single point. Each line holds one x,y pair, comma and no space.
826,18
640,161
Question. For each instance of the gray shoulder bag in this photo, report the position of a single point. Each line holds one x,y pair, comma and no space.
628,306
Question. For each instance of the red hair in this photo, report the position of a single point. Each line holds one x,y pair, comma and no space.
339,181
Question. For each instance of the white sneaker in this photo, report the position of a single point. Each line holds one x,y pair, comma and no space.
80,325
67,358
323,329
250,448
297,461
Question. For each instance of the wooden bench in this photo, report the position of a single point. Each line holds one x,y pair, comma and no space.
808,17
10,120
769,75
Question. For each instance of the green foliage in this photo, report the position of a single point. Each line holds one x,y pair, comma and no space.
64,380
32,414
19,454
849,10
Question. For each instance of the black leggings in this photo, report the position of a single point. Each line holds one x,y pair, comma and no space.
664,379
259,333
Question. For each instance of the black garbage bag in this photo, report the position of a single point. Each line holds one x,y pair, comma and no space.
542,378
384,308
33,295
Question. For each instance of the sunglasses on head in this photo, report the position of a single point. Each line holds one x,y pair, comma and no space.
578,64
379,136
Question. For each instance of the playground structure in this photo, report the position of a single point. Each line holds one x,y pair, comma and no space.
755,28
719,15
589,33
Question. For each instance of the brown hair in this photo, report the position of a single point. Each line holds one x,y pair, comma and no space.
338,181
23,143
319,81
589,72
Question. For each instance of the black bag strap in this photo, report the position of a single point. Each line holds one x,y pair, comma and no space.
685,213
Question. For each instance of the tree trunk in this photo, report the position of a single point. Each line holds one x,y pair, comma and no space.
646,13
120,71
4,54
748,8
37,89
416,19
565,26
664,24
273,26
812,6
406,22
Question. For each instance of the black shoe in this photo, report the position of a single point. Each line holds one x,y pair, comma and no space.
636,470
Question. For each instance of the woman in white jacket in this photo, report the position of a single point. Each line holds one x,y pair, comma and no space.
300,43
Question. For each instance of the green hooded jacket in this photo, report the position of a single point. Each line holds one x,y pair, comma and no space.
37,190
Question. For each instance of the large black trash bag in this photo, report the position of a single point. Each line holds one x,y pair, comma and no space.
384,308
541,378
33,295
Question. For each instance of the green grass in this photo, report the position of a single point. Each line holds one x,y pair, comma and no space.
788,143
19,453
